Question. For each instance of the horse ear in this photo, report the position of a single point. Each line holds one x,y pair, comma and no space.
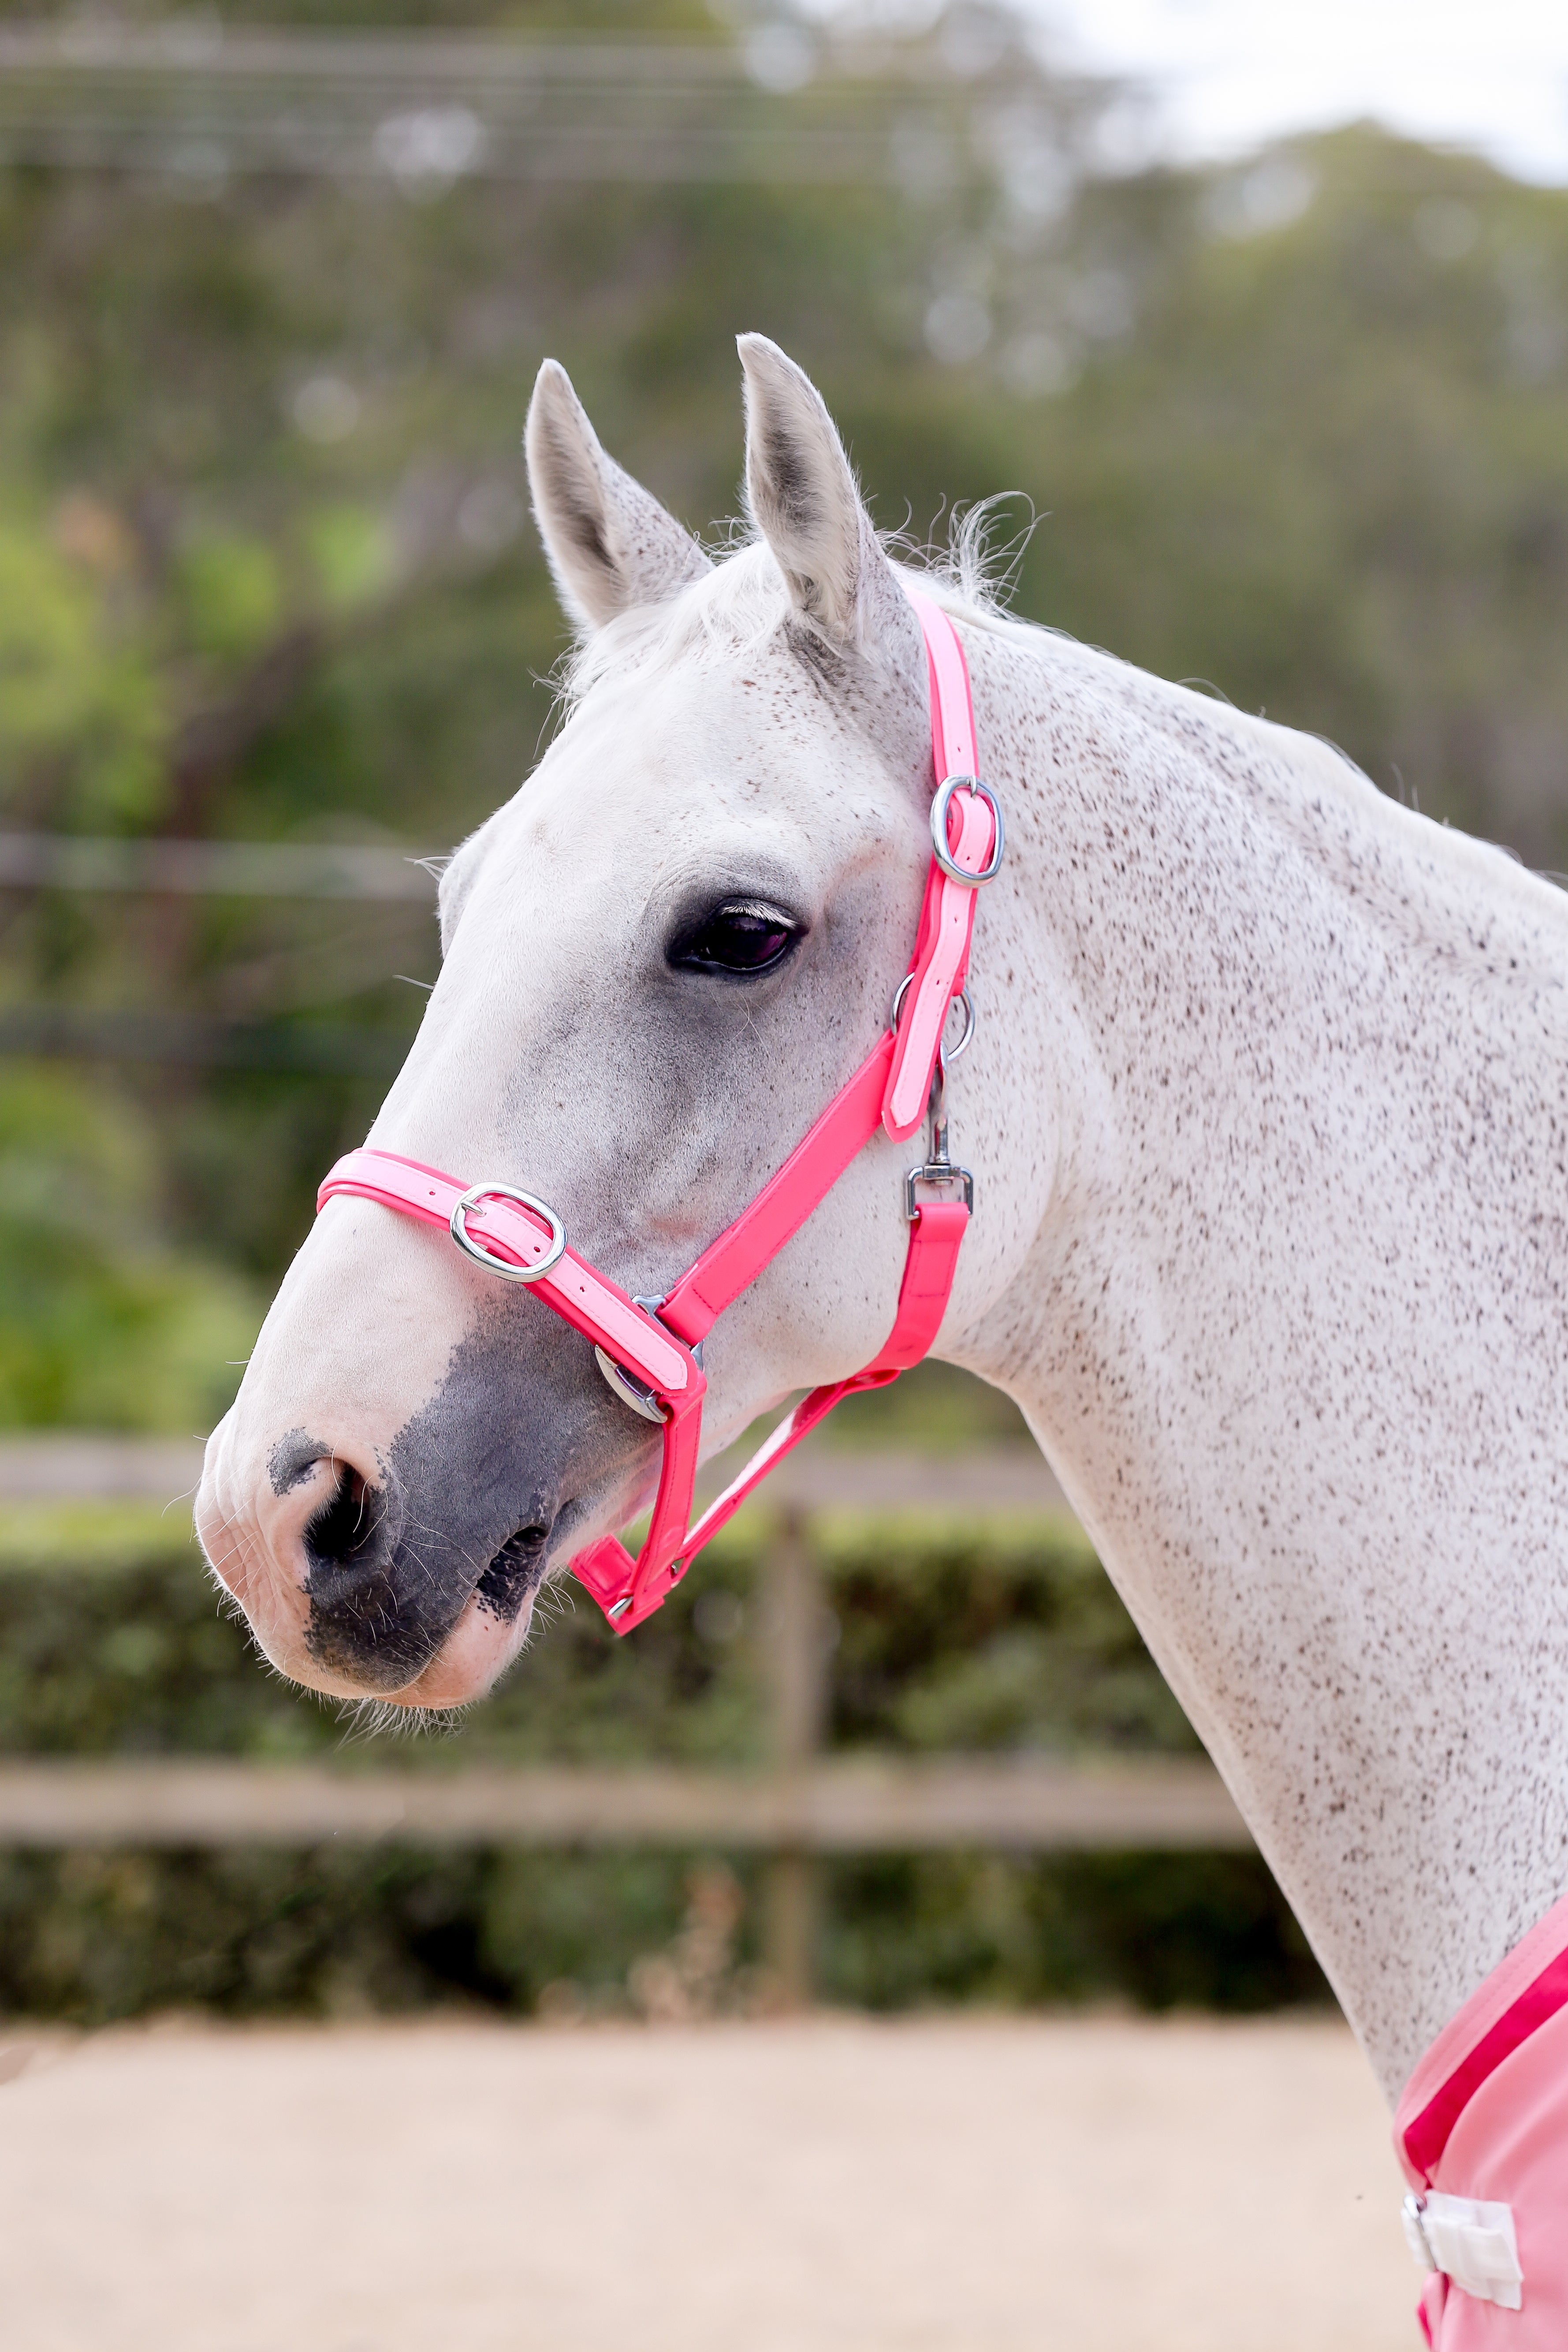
803,499
610,543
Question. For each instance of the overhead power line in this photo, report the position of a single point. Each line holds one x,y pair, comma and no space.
229,869
202,103
60,1033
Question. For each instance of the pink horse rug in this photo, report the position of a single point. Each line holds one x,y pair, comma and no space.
1482,2134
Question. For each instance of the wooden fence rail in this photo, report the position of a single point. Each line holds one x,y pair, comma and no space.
1024,1806
804,1806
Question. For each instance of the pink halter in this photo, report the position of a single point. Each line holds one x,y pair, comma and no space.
649,1350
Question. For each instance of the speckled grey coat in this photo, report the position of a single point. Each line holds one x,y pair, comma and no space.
1268,1111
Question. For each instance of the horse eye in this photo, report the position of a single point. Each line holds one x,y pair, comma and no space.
746,939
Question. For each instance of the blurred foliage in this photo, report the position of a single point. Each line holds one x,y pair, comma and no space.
77,695
342,1931
1007,1642
1002,1637
1298,428
100,1324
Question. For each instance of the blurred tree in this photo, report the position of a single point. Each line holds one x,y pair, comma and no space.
100,1325
1299,428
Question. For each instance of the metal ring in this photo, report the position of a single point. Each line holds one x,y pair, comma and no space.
626,1386
458,1225
938,807
631,1390
954,1052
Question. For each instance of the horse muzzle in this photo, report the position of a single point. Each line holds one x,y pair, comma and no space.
347,1589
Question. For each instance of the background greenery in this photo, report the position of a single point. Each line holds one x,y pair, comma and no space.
1298,429
1008,1641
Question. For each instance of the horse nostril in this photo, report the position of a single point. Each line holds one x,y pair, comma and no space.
347,1521
515,1570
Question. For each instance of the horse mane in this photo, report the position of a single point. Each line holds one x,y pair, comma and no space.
741,603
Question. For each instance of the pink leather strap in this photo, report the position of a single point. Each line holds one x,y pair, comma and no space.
952,703
940,964
629,1589
935,1239
603,1313
734,1262
587,1299
939,968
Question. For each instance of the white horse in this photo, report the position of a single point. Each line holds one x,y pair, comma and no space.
1268,1111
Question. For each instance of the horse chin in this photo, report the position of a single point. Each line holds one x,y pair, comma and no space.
479,1649
476,1653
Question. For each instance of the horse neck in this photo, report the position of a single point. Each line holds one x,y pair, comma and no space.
1291,1329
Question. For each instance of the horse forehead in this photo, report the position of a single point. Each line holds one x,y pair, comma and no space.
694,756
709,723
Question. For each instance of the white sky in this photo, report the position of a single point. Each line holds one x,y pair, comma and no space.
1231,73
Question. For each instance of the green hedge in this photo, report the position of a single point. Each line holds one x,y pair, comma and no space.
89,1936
113,1640
113,1643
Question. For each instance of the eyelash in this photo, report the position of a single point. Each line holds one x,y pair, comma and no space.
744,939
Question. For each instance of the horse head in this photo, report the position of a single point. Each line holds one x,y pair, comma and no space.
660,959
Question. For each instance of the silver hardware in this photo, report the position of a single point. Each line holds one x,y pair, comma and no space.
631,1390
938,1172
1412,2213
954,1052
618,1608
936,1108
944,857
472,1198
936,1176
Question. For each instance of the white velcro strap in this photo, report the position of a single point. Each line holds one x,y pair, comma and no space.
1472,2242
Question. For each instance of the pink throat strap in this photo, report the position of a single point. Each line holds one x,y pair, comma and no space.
520,1238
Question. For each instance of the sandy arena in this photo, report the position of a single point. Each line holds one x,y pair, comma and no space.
824,2186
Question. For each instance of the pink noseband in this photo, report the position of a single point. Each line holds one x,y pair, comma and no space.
648,1348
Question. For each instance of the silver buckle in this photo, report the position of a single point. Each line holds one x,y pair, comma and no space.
944,857
939,1174
632,1391
939,1171
474,1198
950,1053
